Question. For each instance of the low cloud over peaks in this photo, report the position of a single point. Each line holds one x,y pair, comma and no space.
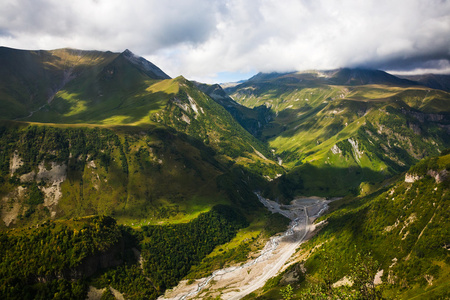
201,39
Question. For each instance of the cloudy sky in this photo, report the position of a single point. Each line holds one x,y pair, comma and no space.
224,40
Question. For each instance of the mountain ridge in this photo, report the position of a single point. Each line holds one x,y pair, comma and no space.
316,115
353,76
169,167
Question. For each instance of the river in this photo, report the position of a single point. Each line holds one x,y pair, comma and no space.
238,281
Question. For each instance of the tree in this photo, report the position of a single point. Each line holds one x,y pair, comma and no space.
287,292
363,273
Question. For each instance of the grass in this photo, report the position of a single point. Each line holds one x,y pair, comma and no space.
311,117
106,86
188,210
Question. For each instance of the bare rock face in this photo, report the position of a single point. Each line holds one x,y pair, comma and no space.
439,176
53,177
410,178
11,205
49,175
15,163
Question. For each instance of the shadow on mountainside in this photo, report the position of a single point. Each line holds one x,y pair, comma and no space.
324,181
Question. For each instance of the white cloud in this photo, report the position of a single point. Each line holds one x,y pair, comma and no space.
200,39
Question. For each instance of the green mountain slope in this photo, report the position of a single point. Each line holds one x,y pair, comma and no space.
171,165
30,80
121,138
401,232
362,125
252,119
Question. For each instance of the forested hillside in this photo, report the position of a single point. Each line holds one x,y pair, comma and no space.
400,233
137,174
55,258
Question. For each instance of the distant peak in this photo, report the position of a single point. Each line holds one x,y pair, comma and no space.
128,54
149,68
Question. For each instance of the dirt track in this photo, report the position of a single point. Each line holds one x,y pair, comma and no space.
237,281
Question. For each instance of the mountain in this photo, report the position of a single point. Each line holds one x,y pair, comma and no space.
104,149
434,81
117,123
346,129
348,76
144,65
32,79
252,120
115,176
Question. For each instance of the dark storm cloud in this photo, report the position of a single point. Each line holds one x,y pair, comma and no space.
405,64
199,38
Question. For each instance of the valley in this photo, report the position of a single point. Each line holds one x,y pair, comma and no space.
133,183
238,281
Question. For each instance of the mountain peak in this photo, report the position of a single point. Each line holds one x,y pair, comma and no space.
361,76
127,52
146,66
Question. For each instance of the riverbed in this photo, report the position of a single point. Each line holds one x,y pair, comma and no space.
238,281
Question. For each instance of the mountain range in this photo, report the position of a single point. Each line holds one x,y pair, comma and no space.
91,133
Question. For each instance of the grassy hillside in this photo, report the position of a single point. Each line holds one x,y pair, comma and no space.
363,125
252,119
120,138
32,80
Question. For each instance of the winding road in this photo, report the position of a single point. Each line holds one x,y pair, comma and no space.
238,281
